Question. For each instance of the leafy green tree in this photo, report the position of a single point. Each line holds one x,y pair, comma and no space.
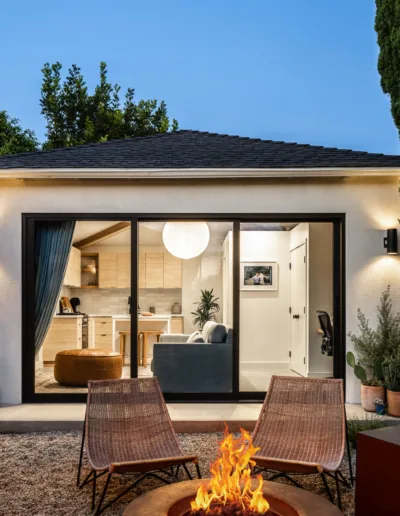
387,26
75,117
13,138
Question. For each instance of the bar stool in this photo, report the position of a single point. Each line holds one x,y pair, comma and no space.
146,334
122,340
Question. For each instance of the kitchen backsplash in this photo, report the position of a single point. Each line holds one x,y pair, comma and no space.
115,301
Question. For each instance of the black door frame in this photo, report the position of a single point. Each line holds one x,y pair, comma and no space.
28,294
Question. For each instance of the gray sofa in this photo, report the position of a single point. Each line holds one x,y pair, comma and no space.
181,366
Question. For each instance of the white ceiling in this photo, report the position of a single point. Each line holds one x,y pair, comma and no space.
150,233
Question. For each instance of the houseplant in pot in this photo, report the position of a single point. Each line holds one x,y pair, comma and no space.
371,387
207,308
373,347
391,369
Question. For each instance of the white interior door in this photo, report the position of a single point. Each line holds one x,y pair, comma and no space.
298,301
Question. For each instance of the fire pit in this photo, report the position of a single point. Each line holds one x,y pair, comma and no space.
284,500
231,491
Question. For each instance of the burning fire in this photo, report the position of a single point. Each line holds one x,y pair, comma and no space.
229,491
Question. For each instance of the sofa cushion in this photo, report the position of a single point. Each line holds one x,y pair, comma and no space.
229,336
196,337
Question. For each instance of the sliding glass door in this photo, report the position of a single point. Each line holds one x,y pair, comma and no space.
185,321
212,306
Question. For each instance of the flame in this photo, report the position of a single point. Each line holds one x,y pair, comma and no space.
230,484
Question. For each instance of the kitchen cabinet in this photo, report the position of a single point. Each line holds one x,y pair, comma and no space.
176,324
124,270
100,332
172,271
65,332
72,276
108,270
154,270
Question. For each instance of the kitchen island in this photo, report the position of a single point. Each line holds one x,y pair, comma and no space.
104,329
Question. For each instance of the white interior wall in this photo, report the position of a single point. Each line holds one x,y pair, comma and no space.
371,206
264,315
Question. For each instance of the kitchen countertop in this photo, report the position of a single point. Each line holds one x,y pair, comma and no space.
127,316
72,316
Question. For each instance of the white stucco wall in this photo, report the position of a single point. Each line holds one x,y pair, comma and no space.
371,206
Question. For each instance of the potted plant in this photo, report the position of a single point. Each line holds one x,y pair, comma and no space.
371,388
379,406
391,369
373,347
206,309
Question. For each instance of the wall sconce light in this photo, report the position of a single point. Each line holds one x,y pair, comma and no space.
390,241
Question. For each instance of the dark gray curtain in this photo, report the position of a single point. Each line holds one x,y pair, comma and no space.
52,246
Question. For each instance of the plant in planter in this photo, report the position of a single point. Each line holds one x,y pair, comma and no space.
372,347
379,406
206,309
371,387
391,370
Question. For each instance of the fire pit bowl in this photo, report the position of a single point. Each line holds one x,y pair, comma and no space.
284,500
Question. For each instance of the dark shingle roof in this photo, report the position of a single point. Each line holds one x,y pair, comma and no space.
198,150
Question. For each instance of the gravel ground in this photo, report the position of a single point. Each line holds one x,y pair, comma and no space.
38,475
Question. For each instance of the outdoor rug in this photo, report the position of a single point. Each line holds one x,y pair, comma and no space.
38,475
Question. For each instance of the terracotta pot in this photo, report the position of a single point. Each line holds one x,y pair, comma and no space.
368,394
393,399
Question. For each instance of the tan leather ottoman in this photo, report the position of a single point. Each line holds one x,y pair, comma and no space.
77,366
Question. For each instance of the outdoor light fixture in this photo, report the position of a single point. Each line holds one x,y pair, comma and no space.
390,241
186,239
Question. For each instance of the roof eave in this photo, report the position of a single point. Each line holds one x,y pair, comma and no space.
194,173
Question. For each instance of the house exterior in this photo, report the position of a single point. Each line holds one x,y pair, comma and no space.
194,175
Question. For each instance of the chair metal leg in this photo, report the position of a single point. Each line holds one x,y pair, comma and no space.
103,494
81,454
187,472
327,487
349,452
94,491
198,470
339,498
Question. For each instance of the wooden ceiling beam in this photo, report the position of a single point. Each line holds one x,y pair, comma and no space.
102,235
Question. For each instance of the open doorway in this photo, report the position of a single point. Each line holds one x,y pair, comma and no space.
286,278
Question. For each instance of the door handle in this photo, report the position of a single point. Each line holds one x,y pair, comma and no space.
296,316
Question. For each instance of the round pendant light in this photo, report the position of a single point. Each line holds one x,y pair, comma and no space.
186,239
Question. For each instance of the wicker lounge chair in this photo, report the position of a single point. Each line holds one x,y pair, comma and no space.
302,430
128,430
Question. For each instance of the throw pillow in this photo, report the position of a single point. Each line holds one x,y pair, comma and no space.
195,337
217,334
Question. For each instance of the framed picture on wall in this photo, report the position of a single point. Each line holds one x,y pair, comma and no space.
259,276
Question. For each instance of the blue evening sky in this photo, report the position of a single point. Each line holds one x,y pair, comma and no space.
293,70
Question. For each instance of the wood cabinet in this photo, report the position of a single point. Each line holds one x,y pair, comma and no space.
100,332
172,271
64,333
72,276
124,270
108,270
177,325
154,270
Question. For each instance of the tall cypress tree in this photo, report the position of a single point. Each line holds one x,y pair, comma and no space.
387,26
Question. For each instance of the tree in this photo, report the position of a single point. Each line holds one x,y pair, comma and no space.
13,138
75,117
387,26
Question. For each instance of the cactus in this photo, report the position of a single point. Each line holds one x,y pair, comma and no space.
359,371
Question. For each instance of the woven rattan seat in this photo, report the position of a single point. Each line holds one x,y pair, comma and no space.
302,427
128,430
